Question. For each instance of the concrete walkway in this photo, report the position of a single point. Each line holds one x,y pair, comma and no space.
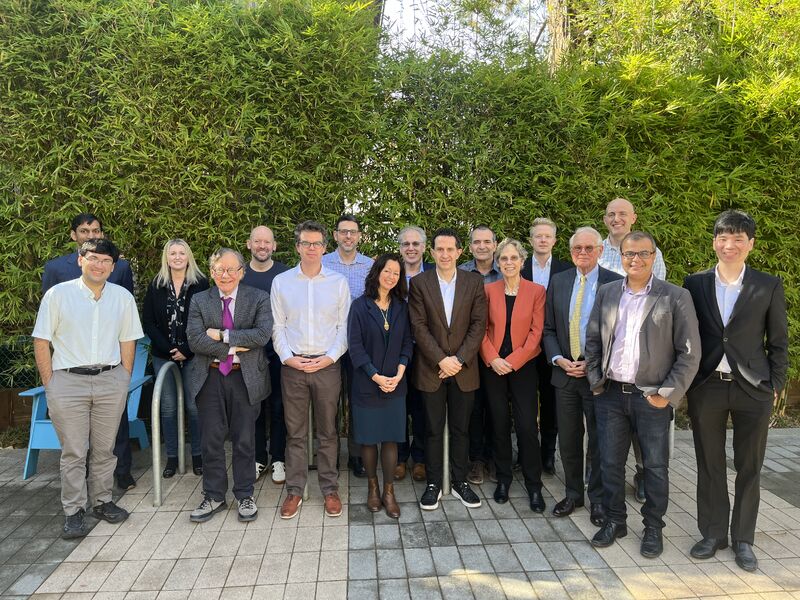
497,551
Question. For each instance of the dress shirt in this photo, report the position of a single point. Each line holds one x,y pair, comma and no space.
310,313
727,294
589,292
611,259
66,268
355,272
541,275
448,290
493,275
624,362
86,332
232,308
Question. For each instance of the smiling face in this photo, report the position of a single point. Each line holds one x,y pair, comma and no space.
227,273
177,259
636,267
261,244
510,262
412,248
389,276
543,239
347,236
86,232
585,251
619,217
96,268
482,244
733,248
445,253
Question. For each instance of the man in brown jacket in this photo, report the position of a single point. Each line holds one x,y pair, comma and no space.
448,318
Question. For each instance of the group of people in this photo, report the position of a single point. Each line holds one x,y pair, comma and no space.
602,346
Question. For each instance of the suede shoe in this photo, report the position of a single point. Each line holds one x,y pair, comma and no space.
537,502
291,506
501,493
744,556
566,507
608,533
463,492
418,473
475,475
597,514
108,511
707,547
400,471
75,525
430,498
333,505
652,543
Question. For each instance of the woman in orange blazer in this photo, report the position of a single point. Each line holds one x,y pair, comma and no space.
513,334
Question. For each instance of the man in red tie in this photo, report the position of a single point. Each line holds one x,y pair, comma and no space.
228,381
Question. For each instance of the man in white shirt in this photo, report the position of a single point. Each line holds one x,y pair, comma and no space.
310,304
93,326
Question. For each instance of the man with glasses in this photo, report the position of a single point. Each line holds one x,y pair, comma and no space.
227,329
310,304
570,297
642,352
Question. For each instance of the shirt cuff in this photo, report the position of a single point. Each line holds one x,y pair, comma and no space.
555,358
370,370
225,336
404,361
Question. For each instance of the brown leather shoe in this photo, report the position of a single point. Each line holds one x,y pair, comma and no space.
400,471
373,495
291,506
418,472
389,502
333,505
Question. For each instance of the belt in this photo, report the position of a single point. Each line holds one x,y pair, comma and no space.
627,388
89,371
234,366
308,355
721,375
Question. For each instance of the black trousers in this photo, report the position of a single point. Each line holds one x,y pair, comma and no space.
414,446
353,449
575,405
548,414
272,407
517,385
223,406
480,428
709,407
122,445
450,402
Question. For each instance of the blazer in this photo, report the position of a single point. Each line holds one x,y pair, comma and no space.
756,338
669,340
527,320
556,266
555,339
435,340
252,322
367,346
66,268
154,318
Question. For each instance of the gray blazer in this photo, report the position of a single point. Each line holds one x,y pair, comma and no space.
252,322
669,340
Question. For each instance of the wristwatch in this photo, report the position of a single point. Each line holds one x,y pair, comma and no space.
222,334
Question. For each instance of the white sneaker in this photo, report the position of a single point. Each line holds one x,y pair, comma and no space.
260,470
278,472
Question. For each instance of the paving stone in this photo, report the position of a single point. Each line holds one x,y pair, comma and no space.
419,562
475,559
122,577
184,574
558,556
332,590
491,532
548,586
387,536
92,577
153,575
274,569
362,590
485,586
334,538
503,558
516,585
465,533
393,589
362,537
424,588
60,580
303,568
391,564
515,531
447,560
531,557
268,592
239,593
361,564
332,566
244,571
439,534
540,529
30,580
359,514
457,588
413,535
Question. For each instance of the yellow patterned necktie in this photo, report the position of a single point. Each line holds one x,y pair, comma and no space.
575,322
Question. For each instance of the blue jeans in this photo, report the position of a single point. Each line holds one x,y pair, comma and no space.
169,411
619,415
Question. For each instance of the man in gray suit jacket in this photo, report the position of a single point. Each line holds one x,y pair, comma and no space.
642,352
227,380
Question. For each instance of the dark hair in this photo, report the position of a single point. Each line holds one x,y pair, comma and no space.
371,284
347,217
447,232
482,227
84,218
100,246
635,236
735,221
310,226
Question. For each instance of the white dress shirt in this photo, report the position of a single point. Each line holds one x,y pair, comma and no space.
541,274
448,290
310,314
86,332
727,294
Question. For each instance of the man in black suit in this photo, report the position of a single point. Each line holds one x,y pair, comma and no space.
745,339
567,310
540,268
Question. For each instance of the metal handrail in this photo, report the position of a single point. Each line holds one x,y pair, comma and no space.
155,424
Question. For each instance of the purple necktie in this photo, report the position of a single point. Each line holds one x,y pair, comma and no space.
226,366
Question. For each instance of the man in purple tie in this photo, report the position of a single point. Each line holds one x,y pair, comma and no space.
228,381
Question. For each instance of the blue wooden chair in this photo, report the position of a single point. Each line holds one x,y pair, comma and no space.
43,434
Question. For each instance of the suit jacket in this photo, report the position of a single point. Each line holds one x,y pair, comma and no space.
66,268
156,324
527,320
669,340
435,340
252,327
556,266
555,339
367,345
756,338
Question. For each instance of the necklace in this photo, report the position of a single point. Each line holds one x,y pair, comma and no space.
385,315
512,292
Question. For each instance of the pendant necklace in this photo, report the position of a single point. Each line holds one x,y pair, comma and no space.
385,315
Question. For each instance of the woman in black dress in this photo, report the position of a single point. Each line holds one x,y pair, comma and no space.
380,346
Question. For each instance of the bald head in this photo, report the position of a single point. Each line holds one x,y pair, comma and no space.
619,219
261,245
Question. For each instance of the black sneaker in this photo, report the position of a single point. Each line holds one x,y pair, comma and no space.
125,481
108,511
463,492
430,499
75,526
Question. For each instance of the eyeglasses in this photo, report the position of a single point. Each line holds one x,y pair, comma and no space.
352,232
410,244
582,249
643,254
514,258
305,244
231,271
103,262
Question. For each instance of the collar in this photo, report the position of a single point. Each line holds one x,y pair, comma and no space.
645,291
359,259
737,283
591,275
607,244
472,266
443,282
232,295
546,264
323,272
87,291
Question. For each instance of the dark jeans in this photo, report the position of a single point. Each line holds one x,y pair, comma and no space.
451,403
619,415
353,449
548,421
480,428
273,405
575,404
122,446
414,446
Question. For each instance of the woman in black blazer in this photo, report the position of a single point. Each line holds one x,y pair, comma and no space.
166,307
380,346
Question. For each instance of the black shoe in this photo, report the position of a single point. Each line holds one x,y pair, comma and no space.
707,547
638,486
125,481
549,464
565,508
744,556
197,464
357,466
610,531
652,543
171,468
598,514
430,499
537,502
463,492
501,493
74,526
108,511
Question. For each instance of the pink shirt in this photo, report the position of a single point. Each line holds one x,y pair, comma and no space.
624,361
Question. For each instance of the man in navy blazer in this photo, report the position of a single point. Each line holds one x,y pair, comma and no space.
745,340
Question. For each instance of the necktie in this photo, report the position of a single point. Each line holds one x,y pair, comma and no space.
575,322
226,366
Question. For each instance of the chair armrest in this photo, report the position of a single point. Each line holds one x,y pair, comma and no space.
138,382
33,391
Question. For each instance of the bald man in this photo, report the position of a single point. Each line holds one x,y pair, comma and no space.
259,273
